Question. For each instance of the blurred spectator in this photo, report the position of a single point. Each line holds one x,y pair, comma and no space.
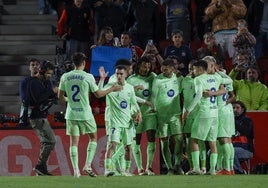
75,25
245,60
155,58
224,15
106,37
45,7
107,13
200,27
123,4
211,48
243,140
178,17
257,18
143,21
244,40
182,51
250,90
126,42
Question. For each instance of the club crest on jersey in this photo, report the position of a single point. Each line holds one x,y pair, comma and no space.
146,92
171,93
123,104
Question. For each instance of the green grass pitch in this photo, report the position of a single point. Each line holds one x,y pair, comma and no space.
202,181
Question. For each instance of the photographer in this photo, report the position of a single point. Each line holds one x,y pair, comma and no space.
41,98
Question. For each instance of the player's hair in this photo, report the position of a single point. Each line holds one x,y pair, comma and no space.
209,59
201,63
124,62
168,62
120,67
145,59
78,58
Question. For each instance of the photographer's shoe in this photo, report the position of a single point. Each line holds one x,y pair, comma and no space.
41,171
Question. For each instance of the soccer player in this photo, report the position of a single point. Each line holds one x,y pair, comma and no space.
121,105
118,156
226,128
166,98
188,91
76,85
205,124
142,81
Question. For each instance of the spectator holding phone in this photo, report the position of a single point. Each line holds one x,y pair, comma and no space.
250,90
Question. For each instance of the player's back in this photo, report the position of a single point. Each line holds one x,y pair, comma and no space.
78,84
208,105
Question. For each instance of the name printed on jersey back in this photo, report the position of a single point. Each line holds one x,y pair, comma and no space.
211,80
75,77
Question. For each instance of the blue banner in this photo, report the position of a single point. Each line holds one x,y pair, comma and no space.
107,56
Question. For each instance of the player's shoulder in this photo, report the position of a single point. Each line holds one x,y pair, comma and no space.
132,77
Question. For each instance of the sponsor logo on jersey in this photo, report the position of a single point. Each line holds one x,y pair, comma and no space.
123,104
146,92
171,93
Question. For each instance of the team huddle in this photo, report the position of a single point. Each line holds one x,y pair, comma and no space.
163,106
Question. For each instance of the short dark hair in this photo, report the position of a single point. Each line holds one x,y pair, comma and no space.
123,61
177,31
173,57
127,33
168,62
46,65
120,67
201,63
34,60
78,58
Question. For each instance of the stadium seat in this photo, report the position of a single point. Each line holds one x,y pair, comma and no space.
163,44
194,46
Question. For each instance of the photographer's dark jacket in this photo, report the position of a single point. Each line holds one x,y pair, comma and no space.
244,133
40,96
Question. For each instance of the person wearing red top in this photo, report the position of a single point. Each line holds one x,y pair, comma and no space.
75,26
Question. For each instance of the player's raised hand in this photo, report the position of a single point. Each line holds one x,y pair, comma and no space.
102,73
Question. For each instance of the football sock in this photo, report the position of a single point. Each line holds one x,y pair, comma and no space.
231,149
74,156
137,155
91,150
178,149
195,159
166,153
203,153
213,161
150,154
226,156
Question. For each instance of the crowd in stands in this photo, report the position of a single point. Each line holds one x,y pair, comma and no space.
225,31
201,39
